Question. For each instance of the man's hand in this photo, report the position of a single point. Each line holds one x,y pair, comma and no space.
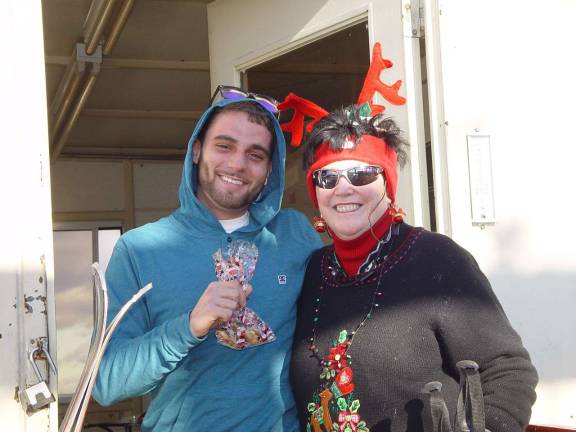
216,305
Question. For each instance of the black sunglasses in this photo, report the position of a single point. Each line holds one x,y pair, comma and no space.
356,176
231,92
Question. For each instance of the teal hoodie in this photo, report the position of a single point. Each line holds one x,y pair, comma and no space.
195,383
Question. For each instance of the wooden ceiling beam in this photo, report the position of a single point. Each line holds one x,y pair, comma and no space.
71,151
189,1
314,68
141,114
129,63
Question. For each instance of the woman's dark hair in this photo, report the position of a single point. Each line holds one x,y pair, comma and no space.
345,123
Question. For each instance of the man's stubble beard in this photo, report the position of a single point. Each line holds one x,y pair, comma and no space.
224,200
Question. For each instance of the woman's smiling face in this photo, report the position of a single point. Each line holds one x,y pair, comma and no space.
350,210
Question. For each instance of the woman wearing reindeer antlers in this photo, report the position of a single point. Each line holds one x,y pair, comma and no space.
390,311
389,307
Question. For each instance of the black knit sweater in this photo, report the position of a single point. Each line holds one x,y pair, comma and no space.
435,309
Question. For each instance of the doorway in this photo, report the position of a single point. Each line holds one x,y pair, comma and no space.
330,72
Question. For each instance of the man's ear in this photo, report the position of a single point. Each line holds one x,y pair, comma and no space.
196,148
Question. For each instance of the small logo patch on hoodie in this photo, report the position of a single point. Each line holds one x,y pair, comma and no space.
281,279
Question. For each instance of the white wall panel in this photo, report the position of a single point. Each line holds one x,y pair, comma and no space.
156,185
79,186
93,186
26,259
509,72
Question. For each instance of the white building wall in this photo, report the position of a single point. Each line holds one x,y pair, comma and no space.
508,71
26,265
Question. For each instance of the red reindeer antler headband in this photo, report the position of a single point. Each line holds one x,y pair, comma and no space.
369,149
305,108
302,108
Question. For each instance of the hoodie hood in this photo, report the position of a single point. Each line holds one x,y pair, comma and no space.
193,213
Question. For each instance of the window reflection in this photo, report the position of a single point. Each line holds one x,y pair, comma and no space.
74,252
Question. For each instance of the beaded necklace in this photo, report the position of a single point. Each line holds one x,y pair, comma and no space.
334,406
349,337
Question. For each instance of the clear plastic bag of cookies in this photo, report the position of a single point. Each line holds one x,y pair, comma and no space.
245,328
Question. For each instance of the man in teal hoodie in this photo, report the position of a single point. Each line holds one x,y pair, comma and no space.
231,189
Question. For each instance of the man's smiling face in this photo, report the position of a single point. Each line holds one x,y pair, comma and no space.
233,163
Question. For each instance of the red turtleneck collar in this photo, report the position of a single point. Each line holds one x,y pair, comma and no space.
352,253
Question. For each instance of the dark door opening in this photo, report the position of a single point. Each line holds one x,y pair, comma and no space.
330,72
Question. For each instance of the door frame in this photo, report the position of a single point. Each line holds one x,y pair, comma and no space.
419,213
310,35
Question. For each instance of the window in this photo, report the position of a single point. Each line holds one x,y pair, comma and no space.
76,247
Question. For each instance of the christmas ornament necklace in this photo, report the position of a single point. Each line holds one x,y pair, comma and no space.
334,407
349,337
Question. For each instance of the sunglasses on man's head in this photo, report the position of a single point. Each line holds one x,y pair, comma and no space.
356,176
231,93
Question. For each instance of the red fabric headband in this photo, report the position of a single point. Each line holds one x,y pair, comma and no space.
369,149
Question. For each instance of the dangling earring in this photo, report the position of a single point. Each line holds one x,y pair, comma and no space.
396,213
319,224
